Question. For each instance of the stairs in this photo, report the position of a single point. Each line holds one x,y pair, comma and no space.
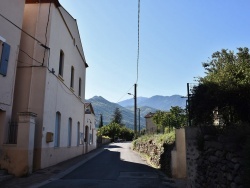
4,175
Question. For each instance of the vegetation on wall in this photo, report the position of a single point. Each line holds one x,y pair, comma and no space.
225,89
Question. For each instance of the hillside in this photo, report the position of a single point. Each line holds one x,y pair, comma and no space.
146,105
106,108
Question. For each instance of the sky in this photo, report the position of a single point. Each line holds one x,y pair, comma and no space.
176,37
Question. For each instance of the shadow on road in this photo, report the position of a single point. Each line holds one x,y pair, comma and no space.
108,165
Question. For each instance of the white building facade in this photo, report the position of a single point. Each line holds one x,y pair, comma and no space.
50,86
90,128
10,34
11,18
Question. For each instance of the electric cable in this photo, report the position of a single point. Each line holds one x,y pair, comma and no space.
125,94
24,31
30,56
46,38
138,47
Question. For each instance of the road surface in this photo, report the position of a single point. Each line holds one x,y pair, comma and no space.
117,166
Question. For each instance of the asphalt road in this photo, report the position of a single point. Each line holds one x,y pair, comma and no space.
116,166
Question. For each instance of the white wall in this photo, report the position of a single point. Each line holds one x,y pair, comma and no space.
44,92
12,10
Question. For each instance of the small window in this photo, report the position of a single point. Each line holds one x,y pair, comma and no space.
5,53
80,87
57,129
61,63
72,77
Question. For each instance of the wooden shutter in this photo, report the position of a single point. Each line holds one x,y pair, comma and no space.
4,59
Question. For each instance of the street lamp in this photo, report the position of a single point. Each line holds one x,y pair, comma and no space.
135,109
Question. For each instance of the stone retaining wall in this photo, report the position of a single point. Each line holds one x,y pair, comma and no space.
159,154
219,162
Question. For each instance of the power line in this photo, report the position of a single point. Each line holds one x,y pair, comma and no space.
30,56
138,52
138,49
46,38
125,94
24,32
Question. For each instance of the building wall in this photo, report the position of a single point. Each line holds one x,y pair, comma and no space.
150,126
45,93
12,10
91,137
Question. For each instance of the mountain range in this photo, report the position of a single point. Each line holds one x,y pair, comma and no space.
146,105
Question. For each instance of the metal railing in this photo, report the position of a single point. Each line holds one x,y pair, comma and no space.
12,133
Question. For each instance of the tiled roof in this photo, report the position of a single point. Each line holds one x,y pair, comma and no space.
43,1
149,115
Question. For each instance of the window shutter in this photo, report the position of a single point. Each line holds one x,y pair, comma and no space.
4,59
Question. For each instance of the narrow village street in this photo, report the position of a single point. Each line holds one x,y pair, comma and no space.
115,165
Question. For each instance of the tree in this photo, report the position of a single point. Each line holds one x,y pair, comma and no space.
114,130
117,116
226,87
176,117
101,121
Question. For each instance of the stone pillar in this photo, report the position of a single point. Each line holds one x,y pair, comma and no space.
192,155
25,142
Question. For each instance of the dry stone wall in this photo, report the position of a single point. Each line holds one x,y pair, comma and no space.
159,154
219,162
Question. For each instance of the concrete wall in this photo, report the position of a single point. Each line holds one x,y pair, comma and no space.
178,155
18,158
12,10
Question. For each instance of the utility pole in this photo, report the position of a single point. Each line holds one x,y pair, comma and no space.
188,95
135,109
139,120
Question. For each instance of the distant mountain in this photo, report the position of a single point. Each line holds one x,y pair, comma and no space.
130,102
157,102
106,108
146,105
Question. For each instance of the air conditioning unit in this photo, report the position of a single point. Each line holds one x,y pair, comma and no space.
49,137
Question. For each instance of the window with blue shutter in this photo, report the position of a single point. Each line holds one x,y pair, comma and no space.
4,59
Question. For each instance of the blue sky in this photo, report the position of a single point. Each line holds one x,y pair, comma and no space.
175,38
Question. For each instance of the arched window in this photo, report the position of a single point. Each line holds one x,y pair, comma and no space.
72,77
61,63
80,87
69,131
57,129
78,133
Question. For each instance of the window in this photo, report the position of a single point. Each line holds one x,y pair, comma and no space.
57,129
78,133
5,53
61,63
80,87
72,77
69,132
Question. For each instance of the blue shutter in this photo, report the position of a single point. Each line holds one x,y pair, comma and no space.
4,59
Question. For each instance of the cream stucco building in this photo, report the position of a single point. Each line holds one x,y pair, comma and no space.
10,34
11,18
90,127
49,89
151,127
